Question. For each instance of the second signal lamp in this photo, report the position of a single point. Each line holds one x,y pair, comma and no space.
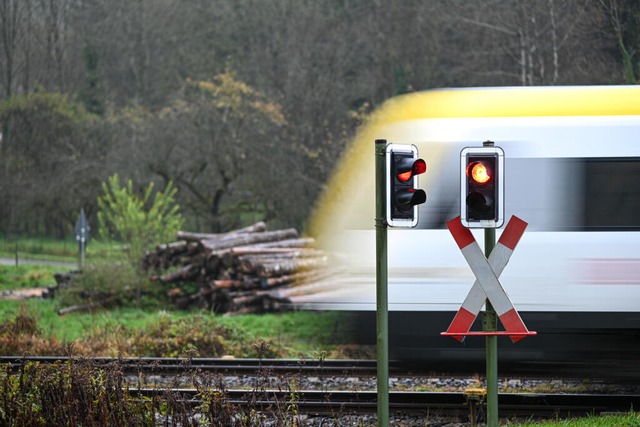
482,187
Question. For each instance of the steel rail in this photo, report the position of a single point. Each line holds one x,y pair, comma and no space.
230,366
314,402
255,366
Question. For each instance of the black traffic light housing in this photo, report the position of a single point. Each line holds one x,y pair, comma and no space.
403,196
482,187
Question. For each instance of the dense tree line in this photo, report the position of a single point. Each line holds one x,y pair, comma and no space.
245,104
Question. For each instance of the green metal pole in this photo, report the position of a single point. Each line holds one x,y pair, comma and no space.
382,303
490,324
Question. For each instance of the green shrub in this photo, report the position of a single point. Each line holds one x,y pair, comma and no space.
75,393
118,284
139,221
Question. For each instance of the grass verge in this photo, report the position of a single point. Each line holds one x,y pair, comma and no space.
132,332
630,419
27,276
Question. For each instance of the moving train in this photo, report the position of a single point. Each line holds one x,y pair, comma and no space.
572,172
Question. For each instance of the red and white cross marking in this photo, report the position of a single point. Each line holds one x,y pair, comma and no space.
487,285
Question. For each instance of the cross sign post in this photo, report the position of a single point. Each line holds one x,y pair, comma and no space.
482,206
487,286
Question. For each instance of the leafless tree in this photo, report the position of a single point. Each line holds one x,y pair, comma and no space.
322,64
624,18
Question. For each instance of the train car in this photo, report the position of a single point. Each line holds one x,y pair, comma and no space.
572,172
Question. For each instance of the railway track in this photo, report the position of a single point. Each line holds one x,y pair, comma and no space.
332,402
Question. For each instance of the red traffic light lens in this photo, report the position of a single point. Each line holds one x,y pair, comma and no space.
478,172
418,167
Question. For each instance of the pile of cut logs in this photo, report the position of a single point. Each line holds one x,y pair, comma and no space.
235,272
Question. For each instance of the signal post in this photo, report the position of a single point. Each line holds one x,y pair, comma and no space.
397,168
482,206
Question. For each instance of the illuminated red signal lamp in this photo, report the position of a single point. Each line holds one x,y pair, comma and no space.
402,193
413,167
479,172
482,186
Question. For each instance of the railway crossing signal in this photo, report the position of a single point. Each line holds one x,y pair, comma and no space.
482,206
482,186
402,193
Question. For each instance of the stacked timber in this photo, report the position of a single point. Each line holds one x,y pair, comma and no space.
235,272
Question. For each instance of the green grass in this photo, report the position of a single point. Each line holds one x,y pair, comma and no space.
27,276
75,326
39,246
292,334
47,249
619,420
303,333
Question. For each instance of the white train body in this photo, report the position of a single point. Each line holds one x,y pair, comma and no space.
572,171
